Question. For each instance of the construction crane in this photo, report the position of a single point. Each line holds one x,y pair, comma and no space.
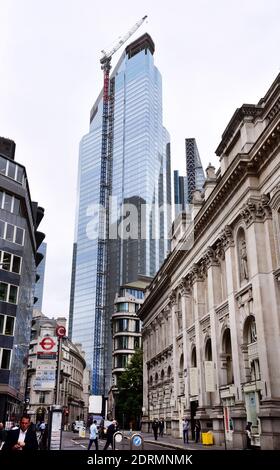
98,385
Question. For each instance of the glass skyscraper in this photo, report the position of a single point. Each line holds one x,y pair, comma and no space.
140,186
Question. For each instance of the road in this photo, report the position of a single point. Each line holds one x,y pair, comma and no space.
71,441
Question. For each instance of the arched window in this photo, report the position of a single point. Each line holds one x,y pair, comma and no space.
151,381
169,372
193,358
162,375
156,378
208,350
179,314
228,356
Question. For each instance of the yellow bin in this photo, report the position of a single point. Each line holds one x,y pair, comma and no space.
207,438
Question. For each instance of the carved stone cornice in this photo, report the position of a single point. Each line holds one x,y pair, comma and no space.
246,111
226,237
191,332
205,323
256,210
222,310
185,287
274,111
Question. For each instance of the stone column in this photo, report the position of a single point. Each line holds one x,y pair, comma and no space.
185,290
238,413
174,419
261,257
145,416
198,278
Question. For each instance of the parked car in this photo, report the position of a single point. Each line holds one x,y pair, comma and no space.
76,425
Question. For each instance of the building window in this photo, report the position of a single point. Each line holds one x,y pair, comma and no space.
122,307
8,293
7,325
42,397
11,170
10,262
10,232
136,343
122,325
121,361
5,358
122,342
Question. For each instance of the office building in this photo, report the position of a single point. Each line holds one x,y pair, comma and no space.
19,242
140,184
211,319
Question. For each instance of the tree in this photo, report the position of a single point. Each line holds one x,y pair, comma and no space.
130,386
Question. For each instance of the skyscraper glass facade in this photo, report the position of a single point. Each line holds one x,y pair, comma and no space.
140,185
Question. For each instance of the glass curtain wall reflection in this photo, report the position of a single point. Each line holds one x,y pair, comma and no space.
140,180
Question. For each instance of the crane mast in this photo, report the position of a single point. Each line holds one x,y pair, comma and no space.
101,304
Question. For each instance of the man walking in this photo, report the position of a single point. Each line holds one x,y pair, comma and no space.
186,426
93,435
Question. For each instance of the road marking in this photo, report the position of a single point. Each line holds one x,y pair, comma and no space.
83,446
75,442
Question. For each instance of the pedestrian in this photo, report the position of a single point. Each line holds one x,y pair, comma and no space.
42,427
197,431
3,434
22,438
155,428
248,435
161,427
110,434
93,437
43,442
186,426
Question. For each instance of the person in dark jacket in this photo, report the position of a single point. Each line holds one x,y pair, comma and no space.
110,435
23,438
155,425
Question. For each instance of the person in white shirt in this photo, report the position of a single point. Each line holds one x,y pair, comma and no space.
93,435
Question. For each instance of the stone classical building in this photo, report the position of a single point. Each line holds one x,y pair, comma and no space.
40,394
211,317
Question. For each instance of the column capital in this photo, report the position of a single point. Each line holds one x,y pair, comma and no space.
210,257
256,210
226,237
185,287
172,298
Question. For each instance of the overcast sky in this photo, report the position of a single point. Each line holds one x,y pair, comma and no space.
214,55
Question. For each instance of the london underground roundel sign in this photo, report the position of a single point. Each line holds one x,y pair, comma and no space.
60,331
47,343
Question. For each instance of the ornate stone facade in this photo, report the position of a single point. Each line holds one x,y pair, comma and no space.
211,319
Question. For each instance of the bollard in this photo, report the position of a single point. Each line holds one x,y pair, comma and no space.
136,442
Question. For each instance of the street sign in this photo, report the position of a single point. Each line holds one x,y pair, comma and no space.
47,347
60,331
45,375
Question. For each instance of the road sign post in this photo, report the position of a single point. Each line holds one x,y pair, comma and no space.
60,333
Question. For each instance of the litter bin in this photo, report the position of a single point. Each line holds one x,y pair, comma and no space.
207,438
82,431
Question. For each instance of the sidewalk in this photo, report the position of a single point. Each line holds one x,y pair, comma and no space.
177,443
